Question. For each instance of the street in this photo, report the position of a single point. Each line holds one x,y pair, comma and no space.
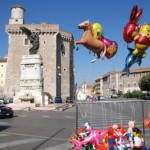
37,130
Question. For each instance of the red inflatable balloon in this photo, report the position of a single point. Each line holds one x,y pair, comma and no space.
132,27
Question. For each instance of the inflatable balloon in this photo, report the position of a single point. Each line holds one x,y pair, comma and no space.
142,40
97,30
111,46
140,34
93,137
91,43
130,60
132,27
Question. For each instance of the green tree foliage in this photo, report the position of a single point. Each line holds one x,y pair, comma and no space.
48,95
134,94
144,82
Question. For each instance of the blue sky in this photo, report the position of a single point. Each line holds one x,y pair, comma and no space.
113,15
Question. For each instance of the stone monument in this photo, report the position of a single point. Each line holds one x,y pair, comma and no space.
31,80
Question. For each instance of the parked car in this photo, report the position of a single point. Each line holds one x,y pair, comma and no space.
101,98
6,111
10,100
58,99
144,97
1,101
69,100
114,96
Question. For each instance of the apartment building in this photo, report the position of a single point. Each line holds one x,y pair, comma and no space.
3,65
119,81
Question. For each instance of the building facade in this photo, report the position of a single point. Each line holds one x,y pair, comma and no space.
3,65
119,81
55,47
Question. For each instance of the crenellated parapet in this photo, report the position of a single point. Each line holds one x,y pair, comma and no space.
45,29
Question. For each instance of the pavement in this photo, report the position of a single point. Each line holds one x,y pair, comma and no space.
33,107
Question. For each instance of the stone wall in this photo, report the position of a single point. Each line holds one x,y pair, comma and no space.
52,40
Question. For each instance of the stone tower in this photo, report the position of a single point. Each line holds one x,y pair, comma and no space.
56,50
17,15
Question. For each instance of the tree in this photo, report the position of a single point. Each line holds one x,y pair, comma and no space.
48,95
144,82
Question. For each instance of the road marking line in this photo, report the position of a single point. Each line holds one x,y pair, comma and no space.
42,137
19,142
58,147
3,123
1,135
44,116
60,139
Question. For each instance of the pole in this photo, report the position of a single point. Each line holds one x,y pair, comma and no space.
143,121
77,118
43,92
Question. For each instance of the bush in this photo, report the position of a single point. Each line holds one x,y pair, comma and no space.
134,94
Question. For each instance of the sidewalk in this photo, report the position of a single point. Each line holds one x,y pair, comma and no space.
32,107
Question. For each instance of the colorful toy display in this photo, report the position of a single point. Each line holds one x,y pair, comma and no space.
93,40
115,138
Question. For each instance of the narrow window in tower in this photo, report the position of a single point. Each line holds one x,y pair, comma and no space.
62,49
26,41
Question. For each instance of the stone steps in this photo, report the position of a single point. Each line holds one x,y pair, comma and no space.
32,107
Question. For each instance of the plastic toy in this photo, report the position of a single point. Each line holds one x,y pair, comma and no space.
131,125
137,138
91,43
93,137
111,138
121,142
147,121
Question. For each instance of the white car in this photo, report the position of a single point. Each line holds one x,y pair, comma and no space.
114,96
102,98
1,101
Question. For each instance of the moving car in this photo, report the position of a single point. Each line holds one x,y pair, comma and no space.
6,112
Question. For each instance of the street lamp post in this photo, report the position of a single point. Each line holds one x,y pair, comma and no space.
43,103
58,79
58,83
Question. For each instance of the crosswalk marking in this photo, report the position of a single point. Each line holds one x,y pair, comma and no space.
3,123
2,135
19,142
